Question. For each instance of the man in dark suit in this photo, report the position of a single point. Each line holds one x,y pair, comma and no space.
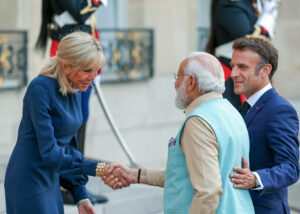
272,125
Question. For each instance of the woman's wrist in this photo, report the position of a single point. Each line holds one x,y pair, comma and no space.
100,169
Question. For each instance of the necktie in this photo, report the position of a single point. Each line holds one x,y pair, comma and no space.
244,108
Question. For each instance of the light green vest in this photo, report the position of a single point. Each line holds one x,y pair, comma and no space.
233,143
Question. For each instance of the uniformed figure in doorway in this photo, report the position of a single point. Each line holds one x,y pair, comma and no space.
231,19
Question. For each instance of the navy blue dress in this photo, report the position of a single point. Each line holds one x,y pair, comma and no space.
45,155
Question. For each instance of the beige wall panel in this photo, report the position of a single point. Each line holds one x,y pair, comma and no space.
174,22
8,14
135,13
287,40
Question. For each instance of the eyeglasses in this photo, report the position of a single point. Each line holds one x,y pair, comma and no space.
176,76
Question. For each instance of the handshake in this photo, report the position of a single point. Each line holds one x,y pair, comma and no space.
118,176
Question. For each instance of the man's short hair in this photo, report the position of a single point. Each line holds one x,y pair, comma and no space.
264,48
207,71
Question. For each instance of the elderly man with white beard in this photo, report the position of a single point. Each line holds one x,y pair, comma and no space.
211,141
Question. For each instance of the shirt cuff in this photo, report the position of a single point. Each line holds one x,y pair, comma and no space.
259,185
82,201
79,193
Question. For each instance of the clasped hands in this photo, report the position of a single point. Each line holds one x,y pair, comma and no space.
118,176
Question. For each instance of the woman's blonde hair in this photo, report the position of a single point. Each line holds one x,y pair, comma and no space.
79,50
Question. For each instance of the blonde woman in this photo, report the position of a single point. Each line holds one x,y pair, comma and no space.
45,155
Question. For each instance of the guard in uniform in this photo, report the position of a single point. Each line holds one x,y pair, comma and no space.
59,18
232,19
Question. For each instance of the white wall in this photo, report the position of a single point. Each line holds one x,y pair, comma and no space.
114,15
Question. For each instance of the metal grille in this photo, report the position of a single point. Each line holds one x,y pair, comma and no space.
13,59
129,54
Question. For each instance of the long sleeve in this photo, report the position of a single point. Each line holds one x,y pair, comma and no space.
39,105
76,185
156,177
200,148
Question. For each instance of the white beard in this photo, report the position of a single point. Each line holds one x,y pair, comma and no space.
181,100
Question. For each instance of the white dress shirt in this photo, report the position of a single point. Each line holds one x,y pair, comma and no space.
253,99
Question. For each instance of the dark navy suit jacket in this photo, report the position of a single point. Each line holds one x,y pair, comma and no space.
274,151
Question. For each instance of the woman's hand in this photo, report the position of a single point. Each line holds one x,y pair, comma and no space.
86,207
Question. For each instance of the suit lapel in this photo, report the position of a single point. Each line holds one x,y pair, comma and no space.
258,106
